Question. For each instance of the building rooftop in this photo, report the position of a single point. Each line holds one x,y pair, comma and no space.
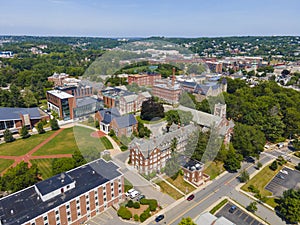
7,113
25,205
85,101
109,114
60,94
126,121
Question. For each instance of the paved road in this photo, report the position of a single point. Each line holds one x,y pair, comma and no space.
223,186
285,152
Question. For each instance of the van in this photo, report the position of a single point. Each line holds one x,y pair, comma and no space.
127,194
134,194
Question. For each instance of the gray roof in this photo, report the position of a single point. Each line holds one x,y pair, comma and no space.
26,205
7,113
163,142
130,98
202,118
109,114
125,121
85,101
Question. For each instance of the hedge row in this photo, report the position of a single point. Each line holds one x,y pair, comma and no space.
151,202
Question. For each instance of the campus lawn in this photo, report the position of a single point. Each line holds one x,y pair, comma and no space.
213,169
22,146
45,167
165,188
107,144
260,180
63,143
181,184
5,163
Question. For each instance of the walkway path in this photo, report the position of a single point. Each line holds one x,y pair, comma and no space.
29,155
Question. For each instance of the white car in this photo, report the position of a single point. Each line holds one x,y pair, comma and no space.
134,194
127,194
284,172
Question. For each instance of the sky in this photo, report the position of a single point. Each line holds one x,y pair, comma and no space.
144,18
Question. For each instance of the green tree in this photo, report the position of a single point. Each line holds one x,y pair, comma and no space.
40,128
244,176
8,137
259,165
252,207
62,165
233,160
289,205
29,98
20,177
247,140
274,165
54,124
151,110
24,132
186,221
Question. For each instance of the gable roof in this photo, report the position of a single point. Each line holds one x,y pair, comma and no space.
7,113
109,114
125,121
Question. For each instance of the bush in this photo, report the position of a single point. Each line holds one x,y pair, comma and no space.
259,165
145,215
124,213
136,217
54,124
97,125
8,137
136,205
124,147
253,189
151,202
40,128
130,204
273,166
24,132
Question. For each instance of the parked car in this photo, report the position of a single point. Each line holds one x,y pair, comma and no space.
139,198
134,194
191,197
127,194
159,218
284,172
232,209
281,177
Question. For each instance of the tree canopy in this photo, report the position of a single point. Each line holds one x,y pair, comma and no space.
151,110
289,205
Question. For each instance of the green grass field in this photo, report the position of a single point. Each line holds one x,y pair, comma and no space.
260,180
63,143
22,146
165,188
107,144
44,166
214,169
5,163
181,184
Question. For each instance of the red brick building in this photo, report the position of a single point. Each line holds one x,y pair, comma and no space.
66,198
144,79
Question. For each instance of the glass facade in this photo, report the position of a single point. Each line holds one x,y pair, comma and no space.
65,109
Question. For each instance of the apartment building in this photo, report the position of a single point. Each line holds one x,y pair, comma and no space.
69,198
147,79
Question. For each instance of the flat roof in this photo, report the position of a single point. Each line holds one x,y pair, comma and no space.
60,94
26,204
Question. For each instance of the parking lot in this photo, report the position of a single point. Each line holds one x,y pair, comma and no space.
290,179
239,216
107,217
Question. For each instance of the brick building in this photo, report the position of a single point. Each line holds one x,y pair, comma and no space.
57,78
125,101
67,198
14,118
111,119
167,90
149,156
147,79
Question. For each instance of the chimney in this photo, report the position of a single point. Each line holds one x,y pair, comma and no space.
173,77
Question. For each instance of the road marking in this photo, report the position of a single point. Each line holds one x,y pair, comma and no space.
198,203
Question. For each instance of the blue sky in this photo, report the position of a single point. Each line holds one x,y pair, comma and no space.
142,18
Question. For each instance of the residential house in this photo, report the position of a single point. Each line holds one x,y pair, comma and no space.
111,119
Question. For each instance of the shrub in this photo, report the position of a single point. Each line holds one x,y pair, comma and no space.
130,204
253,189
124,147
151,202
54,124
40,128
8,137
124,213
136,205
145,215
136,217
273,166
97,124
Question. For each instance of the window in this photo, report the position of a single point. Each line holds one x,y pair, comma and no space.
88,208
87,202
78,214
45,218
77,202
96,197
112,195
78,207
68,206
104,199
57,218
68,213
56,212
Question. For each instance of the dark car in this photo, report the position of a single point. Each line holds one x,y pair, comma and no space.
159,218
232,209
191,197
249,159
140,197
